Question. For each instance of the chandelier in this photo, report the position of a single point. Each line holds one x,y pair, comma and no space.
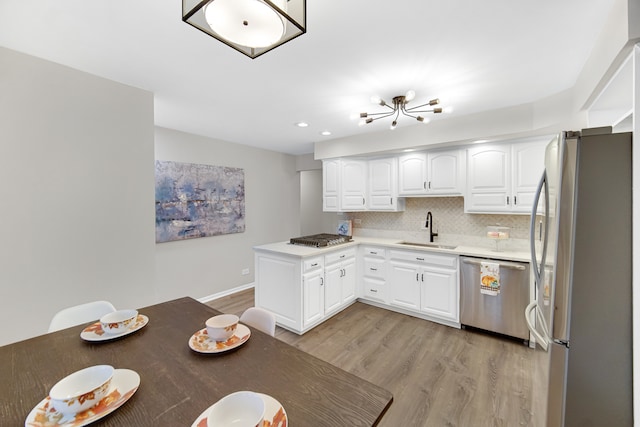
252,27
399,105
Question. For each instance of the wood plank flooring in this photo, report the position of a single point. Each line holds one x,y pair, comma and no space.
439,376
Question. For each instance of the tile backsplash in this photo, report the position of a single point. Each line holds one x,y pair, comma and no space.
449,218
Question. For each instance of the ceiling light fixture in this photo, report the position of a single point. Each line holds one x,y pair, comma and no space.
399,105
252,27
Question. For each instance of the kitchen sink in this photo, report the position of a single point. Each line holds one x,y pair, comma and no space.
428,245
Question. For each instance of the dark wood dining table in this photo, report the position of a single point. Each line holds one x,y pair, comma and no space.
177,384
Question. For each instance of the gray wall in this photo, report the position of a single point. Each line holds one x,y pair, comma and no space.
76,187
212,265
312,219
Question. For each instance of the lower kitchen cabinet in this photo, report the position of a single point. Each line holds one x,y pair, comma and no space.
405,285
426,283
303,292
313,296
439,293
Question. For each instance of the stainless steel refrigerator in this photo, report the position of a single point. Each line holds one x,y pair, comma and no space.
581,257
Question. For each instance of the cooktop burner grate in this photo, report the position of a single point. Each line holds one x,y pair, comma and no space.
320,240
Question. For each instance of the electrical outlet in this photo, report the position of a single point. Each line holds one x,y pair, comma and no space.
245,271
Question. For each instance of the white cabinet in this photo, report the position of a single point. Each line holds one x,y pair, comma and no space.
353,185
439,293
374,274
445,172
383,185
425,282
434,173
502,178
412,174
405,285
340,280
303,292
331,185
313,297
344,185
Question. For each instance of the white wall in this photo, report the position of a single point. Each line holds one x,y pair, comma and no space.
76,191
212,265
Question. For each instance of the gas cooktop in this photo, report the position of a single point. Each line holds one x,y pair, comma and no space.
320,240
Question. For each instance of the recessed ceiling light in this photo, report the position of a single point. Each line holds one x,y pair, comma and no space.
325,133
302,124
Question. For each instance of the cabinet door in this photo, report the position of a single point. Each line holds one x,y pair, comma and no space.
331,185
313,309
383,185
412,174
528,164
333,287
348,281
353,185
439,295
488,178
443,170
404,287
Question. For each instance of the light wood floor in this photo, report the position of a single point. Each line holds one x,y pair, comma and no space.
439,376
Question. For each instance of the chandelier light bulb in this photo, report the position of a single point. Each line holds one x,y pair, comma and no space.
375,99
434,102
410,95
248,23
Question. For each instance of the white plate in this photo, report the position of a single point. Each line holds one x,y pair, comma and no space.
201,342
274,414
95,333
124,384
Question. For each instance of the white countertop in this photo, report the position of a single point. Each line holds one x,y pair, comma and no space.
286,248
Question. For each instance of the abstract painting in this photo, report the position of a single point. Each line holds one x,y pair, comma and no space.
195,200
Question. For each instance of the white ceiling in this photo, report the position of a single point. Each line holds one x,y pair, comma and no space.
473,55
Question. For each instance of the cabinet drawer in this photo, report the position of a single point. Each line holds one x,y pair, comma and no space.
374,252
374,267
374,289
339,256
313,263
426,257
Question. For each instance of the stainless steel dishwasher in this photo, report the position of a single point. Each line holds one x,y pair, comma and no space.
502,313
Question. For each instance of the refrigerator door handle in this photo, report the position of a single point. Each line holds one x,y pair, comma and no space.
538,269
539,338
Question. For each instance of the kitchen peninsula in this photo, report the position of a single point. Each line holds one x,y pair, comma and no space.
304,286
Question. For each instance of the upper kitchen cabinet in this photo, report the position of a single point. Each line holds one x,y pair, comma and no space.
331,185
344,185
445,173
353,185
383,185
435,173
502,178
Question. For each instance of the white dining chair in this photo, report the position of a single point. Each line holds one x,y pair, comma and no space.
80,314
260,319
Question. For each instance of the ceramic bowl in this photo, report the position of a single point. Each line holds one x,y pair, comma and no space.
239,409
222,327
119,321
81,390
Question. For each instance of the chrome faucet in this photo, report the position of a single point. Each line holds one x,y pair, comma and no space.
429,225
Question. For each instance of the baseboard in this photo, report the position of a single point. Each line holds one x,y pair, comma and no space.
226,293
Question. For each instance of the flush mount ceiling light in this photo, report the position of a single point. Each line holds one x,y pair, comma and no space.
399,105
252,27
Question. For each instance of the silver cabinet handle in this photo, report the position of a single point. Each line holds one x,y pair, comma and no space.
373,269
420,259
507,200
373,290
322,281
